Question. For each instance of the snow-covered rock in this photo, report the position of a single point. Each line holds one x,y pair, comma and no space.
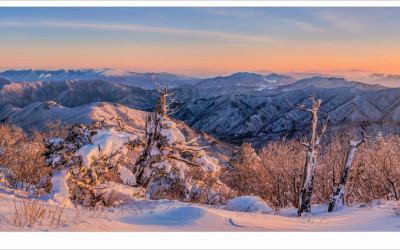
247,204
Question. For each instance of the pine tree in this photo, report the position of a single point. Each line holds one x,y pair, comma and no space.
242,170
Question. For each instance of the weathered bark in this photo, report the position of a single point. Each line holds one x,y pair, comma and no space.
153,136
339,193
307,187
311,157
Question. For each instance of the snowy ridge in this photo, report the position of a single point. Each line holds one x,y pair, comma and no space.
247,80
37,114
125,77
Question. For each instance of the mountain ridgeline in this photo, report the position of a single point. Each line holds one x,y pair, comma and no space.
237,108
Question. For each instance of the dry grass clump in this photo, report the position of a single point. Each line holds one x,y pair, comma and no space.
30,212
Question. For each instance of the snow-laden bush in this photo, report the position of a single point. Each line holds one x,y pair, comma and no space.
93,160
247,204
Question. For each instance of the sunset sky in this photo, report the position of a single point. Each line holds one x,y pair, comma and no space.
201,40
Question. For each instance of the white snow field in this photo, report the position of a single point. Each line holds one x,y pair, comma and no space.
166,215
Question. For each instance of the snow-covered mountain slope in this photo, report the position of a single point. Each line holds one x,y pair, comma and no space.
239,83
129,78
330,82
258,118
48,75
74,93
37,114
245,79
3,82
259,85
146,80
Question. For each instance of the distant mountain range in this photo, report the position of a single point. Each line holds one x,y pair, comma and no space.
240,107
266,115
128,78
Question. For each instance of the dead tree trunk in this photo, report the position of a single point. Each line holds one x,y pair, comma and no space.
154,125
339,193
313,146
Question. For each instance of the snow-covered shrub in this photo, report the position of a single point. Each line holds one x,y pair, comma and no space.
60,152
93,156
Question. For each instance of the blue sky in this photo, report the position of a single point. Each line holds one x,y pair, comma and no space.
188,40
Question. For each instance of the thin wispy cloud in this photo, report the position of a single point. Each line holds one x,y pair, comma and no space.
339,21
302,25
231,37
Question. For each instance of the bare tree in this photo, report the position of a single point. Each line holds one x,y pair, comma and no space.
340,191
313,147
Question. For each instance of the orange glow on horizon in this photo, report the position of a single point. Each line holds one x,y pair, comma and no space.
200,61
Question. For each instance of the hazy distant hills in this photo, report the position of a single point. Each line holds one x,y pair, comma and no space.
386,79
129,78
245,79
240,107
331,82
239,83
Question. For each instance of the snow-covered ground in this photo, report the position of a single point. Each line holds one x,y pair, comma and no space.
166,215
